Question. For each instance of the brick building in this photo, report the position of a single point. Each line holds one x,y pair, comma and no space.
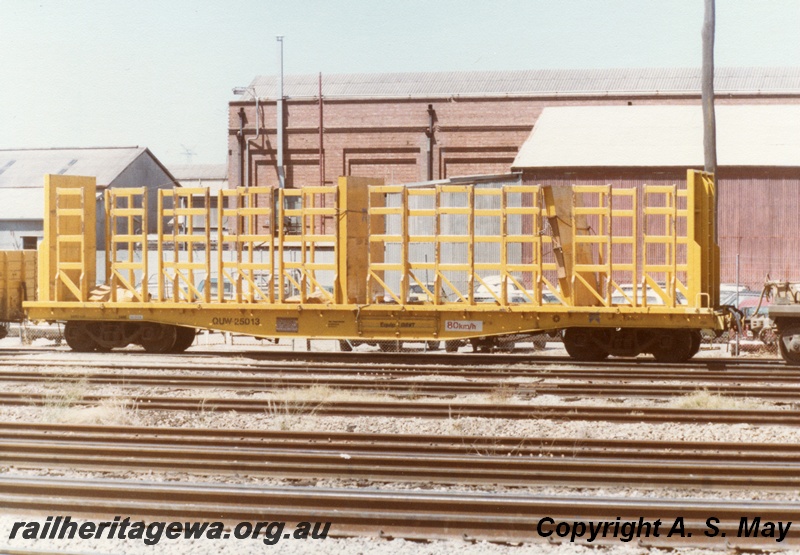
415,127
411,127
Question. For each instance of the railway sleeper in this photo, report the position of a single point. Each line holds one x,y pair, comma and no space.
88,336
666,345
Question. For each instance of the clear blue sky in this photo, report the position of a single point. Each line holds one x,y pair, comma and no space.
160,73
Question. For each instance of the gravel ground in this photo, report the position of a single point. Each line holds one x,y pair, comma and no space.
66,407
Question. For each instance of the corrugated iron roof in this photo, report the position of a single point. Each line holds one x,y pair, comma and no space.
212,176
26,167
544,82
665,135
195,172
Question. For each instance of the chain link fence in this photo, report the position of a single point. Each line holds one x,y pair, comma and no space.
35,333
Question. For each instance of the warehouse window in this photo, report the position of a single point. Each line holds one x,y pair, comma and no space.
29,243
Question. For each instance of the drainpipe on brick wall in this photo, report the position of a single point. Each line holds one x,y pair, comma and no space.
431,139
241,138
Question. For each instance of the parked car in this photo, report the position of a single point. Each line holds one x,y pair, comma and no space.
493,290
729,297
419,294
622,295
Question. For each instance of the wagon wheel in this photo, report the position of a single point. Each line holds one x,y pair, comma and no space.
697,341
789,345
674,346
581,345
77,336
158,338
432,345
184,337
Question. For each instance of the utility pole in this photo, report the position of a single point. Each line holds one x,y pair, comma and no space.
709,120
281,169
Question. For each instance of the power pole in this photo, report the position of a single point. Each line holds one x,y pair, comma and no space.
709,120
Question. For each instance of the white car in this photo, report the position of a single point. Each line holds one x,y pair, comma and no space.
492,291
652,298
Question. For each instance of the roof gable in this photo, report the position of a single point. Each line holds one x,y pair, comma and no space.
27,167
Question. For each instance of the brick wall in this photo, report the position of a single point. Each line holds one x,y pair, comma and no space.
387,137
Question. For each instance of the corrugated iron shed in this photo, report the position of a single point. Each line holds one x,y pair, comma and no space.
194,172
661,136
213,176
27,167
542,82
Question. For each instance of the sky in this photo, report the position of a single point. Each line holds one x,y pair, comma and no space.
160,74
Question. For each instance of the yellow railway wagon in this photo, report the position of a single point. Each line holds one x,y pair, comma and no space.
620,271
17,284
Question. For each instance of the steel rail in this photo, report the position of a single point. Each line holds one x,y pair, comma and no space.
407,386
415,409
304,462
567,370
367,361
412,515
423,444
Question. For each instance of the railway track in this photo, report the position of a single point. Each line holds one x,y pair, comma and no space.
412,515
415,409
405,386
334,362
513,462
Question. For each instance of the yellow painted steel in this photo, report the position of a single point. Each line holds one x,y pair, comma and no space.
368,261
17,283
67,262
126,215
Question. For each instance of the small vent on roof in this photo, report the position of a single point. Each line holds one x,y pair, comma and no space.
68,166
8,165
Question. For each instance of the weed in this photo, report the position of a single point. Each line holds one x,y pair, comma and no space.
703,399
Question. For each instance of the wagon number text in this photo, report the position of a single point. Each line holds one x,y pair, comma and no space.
236,321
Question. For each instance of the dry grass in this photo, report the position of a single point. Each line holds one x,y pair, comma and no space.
294,407
65,406
501,394
705,400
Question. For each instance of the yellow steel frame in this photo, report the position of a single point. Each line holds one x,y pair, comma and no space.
614,256
409,270
242,212
67,267
313,216
125,208
177,206
364,230
17,283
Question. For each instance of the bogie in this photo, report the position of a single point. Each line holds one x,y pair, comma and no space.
158,338
88,336
666,345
